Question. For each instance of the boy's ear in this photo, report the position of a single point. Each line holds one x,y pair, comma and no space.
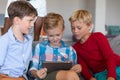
90,24
16,20
90,27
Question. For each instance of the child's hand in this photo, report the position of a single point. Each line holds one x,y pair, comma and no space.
42,73
77,68
110,78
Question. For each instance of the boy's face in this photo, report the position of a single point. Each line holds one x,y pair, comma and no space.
26,23
80,30
55,35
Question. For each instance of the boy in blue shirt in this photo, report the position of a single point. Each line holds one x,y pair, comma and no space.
54,49
16,44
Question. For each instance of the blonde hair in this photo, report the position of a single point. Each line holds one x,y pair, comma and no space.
82,16
52,20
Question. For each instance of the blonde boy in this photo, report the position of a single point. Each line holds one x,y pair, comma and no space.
54,49
98,61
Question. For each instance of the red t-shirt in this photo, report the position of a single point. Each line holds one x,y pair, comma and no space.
95,54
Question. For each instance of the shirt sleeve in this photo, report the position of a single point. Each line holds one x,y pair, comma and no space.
107,54
85,71
3,50
73,56
35,58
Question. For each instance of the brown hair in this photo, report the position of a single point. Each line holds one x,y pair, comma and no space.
52,20
81,15
21,9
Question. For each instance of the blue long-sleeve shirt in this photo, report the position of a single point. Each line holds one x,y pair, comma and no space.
14,54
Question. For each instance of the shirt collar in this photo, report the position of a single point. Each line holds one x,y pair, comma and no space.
12,37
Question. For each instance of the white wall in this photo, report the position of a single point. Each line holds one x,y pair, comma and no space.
105,12
3,6
113,12
100,16
91,7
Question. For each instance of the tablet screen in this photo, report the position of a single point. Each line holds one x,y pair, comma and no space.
54,66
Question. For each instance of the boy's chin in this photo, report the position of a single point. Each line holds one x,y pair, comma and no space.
26,33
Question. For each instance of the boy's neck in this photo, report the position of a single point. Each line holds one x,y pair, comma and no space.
56,46
85,38
18,35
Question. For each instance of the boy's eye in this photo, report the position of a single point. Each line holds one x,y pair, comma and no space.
54,35
79,27
58,35
31,20
72,27
50,35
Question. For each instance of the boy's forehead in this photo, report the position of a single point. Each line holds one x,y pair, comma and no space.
77,22
54,32
30,16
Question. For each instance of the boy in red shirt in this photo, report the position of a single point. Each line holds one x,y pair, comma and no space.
93,50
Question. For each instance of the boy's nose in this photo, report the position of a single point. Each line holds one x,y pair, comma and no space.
75,30
55,38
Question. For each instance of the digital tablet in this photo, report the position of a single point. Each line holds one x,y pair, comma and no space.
54,66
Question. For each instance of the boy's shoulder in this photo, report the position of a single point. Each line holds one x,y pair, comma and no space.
64,44
97,33
4,40
43,43
4,37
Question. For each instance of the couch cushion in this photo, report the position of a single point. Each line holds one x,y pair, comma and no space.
115,44
113,30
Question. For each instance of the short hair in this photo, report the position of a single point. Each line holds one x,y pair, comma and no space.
21,9
81,15
52,20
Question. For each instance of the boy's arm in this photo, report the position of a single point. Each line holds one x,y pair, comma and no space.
3,49
107,53
85,70
34,70
73,56
34,63
35,59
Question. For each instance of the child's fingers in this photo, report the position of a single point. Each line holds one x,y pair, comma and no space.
42,73
76,68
